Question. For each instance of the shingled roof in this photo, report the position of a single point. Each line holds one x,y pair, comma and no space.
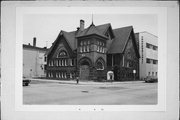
92,29
120,40
117,46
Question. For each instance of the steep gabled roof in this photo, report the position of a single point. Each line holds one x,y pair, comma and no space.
120,40
92,29
121,36
70,37
104,27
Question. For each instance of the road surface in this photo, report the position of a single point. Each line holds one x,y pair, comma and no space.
116,93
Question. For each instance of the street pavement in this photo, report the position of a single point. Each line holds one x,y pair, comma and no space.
55,92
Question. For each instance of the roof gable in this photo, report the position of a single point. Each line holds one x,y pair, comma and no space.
120,40
67,37
92,29
121,36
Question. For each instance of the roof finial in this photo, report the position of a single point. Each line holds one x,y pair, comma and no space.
92,20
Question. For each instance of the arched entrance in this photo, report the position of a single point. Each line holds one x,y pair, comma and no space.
84,69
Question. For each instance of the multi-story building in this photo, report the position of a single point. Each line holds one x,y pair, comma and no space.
34,60
90,52
148,49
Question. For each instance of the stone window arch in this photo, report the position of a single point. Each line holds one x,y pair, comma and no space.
62,53
85,61
100,64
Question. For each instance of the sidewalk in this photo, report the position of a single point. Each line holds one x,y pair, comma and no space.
83,82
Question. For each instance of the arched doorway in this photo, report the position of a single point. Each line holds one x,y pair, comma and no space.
84,69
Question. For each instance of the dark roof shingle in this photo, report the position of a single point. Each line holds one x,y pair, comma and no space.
92,29
120,40
117,46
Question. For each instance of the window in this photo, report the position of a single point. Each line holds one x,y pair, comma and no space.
56,75
51,63
62,63
152,73
65,75
156,73
81,49
103,50
81,43
100,43
65,62
59,62
155,47
155,61
148,60
97,48
70,62
70,75
62,76
148,45
62,53
123,61
87,48
84,42
127,64
88,42
100,65
100,49
149,74
45,59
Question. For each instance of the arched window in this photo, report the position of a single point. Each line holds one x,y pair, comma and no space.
62,53
100,65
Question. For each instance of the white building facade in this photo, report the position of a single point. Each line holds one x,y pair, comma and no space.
148,49
34,61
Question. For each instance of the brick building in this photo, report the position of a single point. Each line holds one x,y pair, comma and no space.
91,52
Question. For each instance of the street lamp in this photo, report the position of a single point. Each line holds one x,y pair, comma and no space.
134,72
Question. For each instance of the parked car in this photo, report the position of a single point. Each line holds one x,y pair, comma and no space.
151,79
26,81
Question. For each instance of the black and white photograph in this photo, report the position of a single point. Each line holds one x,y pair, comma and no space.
90,59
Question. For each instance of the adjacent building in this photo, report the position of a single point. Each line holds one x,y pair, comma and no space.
34,61
148,49
91,52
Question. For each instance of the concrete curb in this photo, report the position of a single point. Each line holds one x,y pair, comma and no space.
84,82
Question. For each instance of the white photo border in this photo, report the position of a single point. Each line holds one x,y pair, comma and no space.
161,12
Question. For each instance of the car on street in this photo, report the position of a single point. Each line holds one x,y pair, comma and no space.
151,79
26,81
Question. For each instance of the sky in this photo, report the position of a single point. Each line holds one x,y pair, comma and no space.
46,27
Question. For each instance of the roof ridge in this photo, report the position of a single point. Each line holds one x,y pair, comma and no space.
123,27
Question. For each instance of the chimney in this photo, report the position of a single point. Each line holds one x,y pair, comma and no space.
34,41
81,25
78,28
